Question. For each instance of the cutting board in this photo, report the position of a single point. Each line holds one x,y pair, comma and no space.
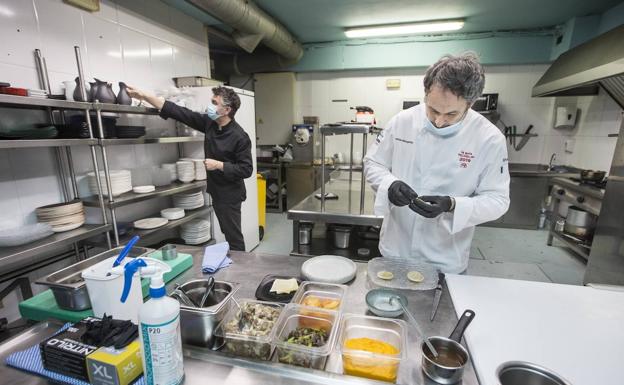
575,331
43,305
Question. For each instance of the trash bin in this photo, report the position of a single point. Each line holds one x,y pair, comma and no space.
261,204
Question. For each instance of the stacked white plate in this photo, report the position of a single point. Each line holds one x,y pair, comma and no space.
189,201
121,181
150,223
62,216
195,232
172,214
172,168
186,171
200,169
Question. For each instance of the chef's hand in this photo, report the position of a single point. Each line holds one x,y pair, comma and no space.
155,101
212,164
432,206
400,193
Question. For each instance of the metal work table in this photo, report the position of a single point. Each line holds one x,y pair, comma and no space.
248,269
345,209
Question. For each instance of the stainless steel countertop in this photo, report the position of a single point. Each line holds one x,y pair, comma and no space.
345,209
248,269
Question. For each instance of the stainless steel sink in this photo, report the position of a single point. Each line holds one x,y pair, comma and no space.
541,169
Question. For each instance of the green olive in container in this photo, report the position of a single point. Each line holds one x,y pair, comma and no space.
372,347
247,330
305,340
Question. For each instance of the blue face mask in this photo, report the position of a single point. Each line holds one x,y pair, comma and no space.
212,112
444,131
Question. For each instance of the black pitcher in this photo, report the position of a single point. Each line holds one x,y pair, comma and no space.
122,96
77,95
104,92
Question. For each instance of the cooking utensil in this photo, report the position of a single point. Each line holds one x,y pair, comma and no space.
522,373
579,222
448,366
169,252
437,295
125,251
592,176
524,139
209,285
182,297
414,323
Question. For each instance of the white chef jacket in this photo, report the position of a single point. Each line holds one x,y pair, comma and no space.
470,166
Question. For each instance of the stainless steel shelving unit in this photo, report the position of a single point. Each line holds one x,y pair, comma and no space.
12,256
131,197
18,257
114,202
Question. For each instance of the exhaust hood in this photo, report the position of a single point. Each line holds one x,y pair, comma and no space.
582,70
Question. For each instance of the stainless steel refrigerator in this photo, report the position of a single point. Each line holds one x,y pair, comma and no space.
606,260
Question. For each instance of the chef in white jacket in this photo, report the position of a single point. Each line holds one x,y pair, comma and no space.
439,169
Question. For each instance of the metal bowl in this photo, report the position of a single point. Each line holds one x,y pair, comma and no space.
523,373
378,302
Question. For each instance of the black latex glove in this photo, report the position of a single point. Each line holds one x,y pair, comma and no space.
431,206
400,194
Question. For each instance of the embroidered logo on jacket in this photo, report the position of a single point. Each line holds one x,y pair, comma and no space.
465,158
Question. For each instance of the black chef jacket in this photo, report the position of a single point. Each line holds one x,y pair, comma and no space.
229,144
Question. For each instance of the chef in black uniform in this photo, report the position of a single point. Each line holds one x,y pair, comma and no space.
227,150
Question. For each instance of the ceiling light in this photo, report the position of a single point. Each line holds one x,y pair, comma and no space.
405,29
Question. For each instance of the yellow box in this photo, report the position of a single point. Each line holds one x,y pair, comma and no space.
109,366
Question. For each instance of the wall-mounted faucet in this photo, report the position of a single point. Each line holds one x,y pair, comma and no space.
553,157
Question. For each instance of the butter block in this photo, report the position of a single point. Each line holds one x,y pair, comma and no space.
284,286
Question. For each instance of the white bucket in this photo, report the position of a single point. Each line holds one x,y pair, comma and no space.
105,291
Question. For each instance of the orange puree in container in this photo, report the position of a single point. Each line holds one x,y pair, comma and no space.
376,368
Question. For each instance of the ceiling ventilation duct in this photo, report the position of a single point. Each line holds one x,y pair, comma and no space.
251,26
581,70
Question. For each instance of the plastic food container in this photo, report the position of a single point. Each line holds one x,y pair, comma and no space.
327,296
292,318
377,366
242,343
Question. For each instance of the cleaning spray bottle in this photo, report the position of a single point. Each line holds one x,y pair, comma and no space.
159,325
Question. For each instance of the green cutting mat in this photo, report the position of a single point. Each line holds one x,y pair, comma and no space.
43,305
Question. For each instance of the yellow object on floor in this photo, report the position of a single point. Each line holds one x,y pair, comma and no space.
261,204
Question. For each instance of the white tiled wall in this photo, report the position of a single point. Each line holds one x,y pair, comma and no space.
600,114
142,42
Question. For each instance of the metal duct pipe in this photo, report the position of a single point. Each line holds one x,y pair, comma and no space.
253,25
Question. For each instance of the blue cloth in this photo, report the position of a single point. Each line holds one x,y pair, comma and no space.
215,258
30,361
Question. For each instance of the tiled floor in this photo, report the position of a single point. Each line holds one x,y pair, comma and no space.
495,252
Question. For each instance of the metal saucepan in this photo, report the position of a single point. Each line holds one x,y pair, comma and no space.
525,373
592,176
448,366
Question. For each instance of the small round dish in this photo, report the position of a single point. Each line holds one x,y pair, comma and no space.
143,189
378,302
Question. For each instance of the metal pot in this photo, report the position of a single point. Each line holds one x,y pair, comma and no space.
580,223
523,373
448,367
305,232
592,176
342,235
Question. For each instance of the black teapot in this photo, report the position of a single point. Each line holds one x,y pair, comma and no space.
104,92
122,96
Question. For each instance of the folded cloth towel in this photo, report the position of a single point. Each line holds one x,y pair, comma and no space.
215,258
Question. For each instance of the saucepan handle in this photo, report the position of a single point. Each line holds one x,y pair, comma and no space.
462,324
